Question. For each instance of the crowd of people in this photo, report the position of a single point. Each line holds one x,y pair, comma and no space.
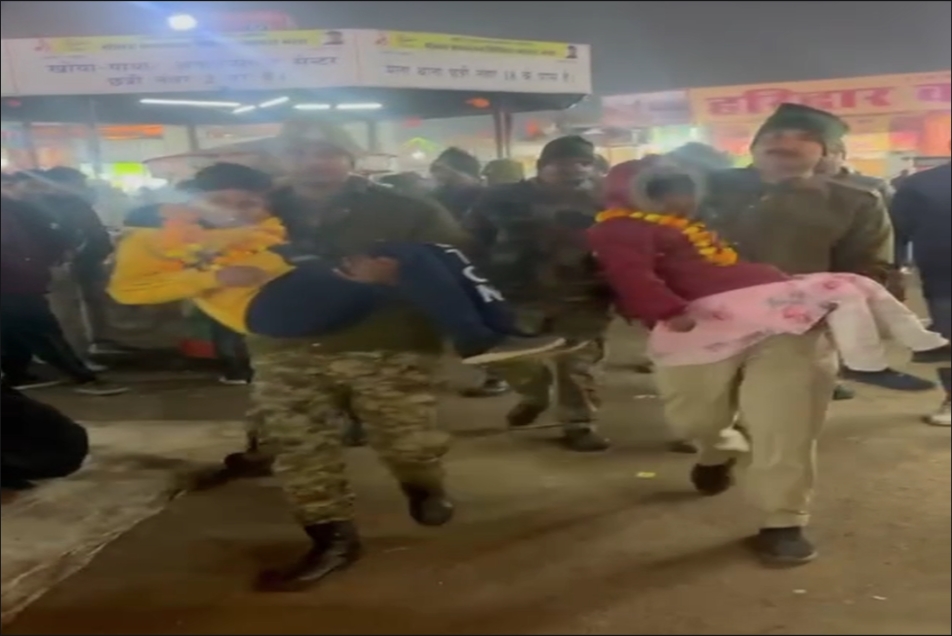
336,294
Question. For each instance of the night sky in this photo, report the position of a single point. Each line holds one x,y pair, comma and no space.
638,46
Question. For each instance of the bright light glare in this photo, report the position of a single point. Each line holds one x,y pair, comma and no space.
182,22
312,107
189,102
419,155
244,109
368,106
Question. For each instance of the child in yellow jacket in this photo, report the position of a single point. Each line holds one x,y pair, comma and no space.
230,255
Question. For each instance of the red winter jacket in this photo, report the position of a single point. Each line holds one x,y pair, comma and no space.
655,271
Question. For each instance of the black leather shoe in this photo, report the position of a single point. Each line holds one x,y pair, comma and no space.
783,546
335,547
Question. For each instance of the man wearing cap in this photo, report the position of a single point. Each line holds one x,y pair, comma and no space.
530,237
458,181
383,368
779,211
459,186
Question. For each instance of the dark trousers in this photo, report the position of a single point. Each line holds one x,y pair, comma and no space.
438,280
940,310
29,329
231,351
38,441
91,280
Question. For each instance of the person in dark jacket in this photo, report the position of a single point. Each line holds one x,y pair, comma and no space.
458,181
530,237
922,217
38,442
459,186
69,201
32,244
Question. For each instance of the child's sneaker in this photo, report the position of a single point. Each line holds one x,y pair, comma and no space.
516,347
942,417
100,388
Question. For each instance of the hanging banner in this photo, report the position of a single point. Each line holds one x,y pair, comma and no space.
647,110
397,59
181,63
863,96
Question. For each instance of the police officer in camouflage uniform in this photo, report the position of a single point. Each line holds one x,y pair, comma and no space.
531,240
383,368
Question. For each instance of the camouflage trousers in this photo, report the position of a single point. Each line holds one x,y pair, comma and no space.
573,376
299,395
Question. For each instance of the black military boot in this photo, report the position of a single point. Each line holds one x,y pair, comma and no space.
335,546
585,440
428,506
355,435
711,481
783,546
525,414
249,464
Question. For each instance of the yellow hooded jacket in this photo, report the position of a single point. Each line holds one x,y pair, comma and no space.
143,275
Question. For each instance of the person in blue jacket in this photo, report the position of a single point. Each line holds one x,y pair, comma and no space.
922,215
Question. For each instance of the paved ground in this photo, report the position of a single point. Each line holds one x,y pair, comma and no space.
546,542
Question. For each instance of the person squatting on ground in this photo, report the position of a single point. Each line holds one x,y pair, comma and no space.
38,441
231,255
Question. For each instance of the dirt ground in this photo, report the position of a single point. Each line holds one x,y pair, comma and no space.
546,542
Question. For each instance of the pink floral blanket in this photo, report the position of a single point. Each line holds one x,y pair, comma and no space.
729,323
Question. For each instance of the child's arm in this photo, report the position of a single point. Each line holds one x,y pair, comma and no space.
142,278
627,252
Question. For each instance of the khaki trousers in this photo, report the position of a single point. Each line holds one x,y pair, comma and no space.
781,390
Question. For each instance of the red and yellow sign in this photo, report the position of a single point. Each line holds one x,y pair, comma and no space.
856,97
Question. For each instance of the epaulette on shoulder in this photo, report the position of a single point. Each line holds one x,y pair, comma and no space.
841,185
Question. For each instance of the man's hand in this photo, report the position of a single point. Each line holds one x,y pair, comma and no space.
680,324
372,270
241,276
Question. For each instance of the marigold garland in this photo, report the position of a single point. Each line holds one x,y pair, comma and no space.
705,241
184,243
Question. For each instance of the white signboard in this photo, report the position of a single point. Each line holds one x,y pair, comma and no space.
453,62
292,59
181,63
7,81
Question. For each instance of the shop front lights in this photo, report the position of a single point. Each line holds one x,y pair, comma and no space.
189,102
313,107
367,106
182,22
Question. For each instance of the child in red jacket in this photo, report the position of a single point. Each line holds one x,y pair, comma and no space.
705,304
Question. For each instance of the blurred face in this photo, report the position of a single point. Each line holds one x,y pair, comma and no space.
231,208
569,172
787,154
445,176
833,163
315,164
